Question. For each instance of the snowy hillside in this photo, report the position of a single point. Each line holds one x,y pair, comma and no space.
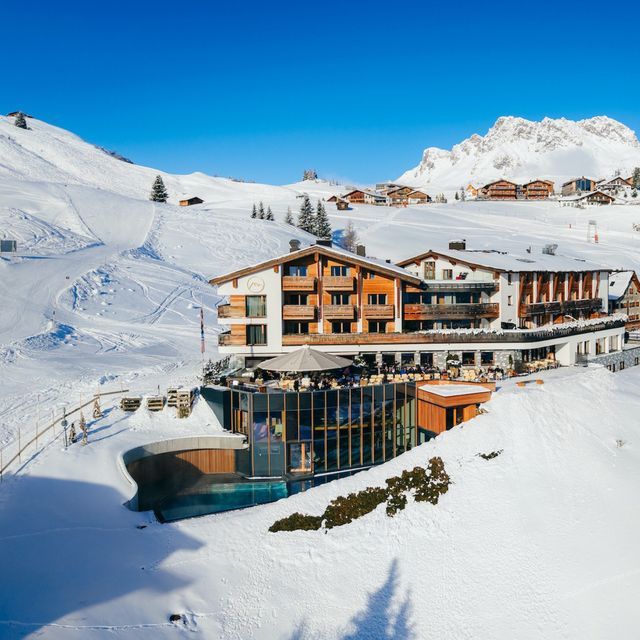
522,150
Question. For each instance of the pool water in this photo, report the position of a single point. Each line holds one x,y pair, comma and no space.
209,496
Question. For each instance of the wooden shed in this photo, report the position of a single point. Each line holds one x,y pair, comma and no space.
444,404
187,202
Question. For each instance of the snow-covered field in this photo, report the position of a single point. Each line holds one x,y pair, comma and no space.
105,291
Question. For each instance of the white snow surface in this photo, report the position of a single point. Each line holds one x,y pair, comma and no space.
524,150
105,291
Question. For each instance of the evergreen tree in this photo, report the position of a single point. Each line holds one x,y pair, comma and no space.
635,180
463,195
261,214
306,220
309,174
21,121
254,211
269,215
158,191
322,227
349,239
634,193
289,217
457,197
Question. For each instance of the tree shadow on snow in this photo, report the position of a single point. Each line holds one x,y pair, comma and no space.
67,546
386,617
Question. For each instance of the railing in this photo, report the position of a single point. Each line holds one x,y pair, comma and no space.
298,283
340,311
231,340
15,451
462,285
468,310
566,307
449,336
382,311
228,311
298,312
338,283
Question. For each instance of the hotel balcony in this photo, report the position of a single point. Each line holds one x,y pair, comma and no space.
229,340
299,312
462,285
569,307
435,311
378,311
338,283
338,311
298,283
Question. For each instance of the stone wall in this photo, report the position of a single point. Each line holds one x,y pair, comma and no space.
630,356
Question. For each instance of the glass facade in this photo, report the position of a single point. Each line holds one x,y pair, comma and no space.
324,431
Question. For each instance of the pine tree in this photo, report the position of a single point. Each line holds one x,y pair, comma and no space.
309,174
635,180
158,191
20,121
322,227
305,217
463,195
457,197
269,215
289,217
254,211
349,239
634,193
261,213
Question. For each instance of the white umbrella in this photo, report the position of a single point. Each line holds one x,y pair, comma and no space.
305,359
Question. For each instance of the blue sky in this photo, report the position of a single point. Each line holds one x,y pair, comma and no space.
261,90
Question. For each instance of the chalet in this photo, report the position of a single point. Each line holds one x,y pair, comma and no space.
624,296
591,198
334,199
519,307
418,197
471,191
614,184
187,202
578,185
342,205
399,196
538,189
499,190
364,196
385,187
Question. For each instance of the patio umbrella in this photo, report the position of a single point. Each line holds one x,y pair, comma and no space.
305,359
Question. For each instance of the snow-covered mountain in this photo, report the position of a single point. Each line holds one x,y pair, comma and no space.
520,149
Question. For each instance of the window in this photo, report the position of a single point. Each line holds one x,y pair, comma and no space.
369,275
377,298
339,271
296,298
293,327
447,274
377,326
340,298
621,366
509,300
509,276
486,358
256,334
256,306
296,270
429,270
468,358
340,326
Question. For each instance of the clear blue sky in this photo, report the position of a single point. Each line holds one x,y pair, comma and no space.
262,90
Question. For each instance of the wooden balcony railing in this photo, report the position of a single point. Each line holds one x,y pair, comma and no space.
299,312
378,311
569,307
229,340
338,283
227,311
338,311
298,283
433,311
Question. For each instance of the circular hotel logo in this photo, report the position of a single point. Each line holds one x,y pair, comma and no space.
255,284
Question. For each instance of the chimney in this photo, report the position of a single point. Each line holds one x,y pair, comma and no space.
294,245
457,245
323,242
361,250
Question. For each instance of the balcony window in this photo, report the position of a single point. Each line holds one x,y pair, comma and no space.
256,334
377,326
293,327
300,299
340,298
377,298
256,306
340,326
447,274
337,270
429,270
296,270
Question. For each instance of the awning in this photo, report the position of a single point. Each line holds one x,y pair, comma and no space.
305,359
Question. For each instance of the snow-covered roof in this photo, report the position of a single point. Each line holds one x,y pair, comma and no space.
619,283
584,195
452,390
500,261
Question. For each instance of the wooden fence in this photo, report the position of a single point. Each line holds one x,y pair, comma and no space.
17,448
